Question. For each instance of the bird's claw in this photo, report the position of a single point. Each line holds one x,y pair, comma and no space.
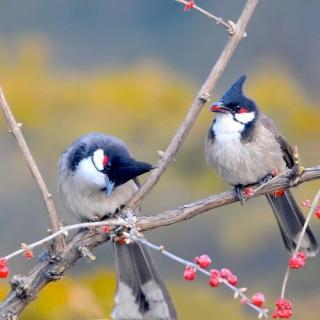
238,193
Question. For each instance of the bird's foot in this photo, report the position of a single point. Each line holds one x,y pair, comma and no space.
238,193
298,169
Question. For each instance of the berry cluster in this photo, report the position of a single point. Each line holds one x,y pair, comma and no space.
283,309
219,276
307,204
297,261
189,5
4,270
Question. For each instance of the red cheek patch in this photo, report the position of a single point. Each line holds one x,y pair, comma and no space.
105,160
243,110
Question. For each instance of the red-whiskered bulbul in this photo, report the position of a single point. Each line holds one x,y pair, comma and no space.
98,176
245,147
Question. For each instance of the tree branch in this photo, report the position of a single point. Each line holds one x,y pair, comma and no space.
46,195
192,209
200,100
49,268
25,288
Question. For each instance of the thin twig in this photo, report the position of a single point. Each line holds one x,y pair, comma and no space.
237,291
228,25
15,129
64,230
303,231
200,100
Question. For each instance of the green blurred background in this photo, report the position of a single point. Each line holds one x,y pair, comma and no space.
131,69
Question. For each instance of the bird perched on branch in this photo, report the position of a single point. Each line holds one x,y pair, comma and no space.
245,147
98,176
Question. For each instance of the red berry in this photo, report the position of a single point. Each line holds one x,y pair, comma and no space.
3,262
105,229
214,282
215,273
203,261
189,5
283,309
214,278
297,261
258,299
4,272
233,280
306,203
302,255
225,273
278,193
317,212
189,273
248,192
28,254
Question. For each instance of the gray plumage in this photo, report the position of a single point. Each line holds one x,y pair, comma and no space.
244,146
141,293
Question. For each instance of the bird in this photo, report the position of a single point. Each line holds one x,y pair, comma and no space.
245,147
97,177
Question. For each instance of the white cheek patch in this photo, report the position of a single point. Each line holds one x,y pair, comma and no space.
226,125
97,157
88,174
245,117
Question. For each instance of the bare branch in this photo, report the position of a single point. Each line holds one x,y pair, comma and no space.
26,288
228,25
15,129
200,100
52,268
192,209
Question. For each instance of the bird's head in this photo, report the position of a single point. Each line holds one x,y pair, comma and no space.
104,163
234,102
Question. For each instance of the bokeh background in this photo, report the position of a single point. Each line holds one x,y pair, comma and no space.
131,69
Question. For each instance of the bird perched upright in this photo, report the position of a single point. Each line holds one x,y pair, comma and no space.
97,176
244,146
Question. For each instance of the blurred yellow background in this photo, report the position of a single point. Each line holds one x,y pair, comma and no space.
143,102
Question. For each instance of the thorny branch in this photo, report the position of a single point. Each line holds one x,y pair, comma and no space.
200,100
15,129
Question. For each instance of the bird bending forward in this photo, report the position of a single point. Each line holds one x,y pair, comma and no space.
97,176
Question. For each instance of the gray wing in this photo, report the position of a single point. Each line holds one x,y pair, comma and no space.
287,150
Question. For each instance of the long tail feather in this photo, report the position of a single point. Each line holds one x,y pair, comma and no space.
141,293
290,220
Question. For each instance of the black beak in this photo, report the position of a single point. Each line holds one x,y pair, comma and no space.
219,108
109,186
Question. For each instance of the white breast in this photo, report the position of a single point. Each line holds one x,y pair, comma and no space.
240,162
